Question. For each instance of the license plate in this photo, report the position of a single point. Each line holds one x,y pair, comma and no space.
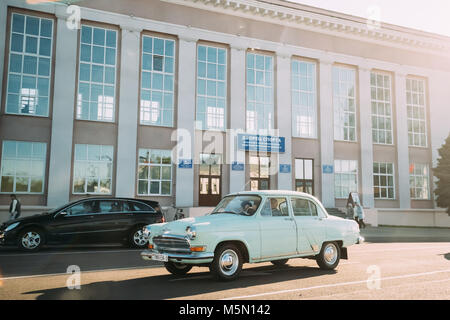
160,257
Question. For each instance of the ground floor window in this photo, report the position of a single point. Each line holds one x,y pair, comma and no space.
345,178
155,172
304,175
419,181
92,172
259,173
383,180
23,167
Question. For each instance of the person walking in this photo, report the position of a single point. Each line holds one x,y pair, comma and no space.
14,208
360,215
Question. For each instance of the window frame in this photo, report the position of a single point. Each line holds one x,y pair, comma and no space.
298,109
426,178
345,195
149,180
386,175
30,159
376,116
411,106
8,38
338,110
98,177
163,73
79,102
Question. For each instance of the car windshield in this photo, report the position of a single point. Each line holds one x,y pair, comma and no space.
240,204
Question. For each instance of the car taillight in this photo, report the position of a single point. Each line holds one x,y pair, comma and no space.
163,219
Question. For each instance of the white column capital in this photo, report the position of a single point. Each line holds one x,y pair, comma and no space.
283,54
326,61
238,46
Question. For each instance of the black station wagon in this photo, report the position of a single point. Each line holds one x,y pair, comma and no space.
92,220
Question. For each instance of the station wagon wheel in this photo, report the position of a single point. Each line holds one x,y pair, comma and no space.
227,263
31,239
178,269
137,239
329,256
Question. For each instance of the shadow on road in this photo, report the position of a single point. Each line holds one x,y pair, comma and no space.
168,286
447,256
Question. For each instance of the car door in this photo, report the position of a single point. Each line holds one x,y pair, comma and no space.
278,229
110,221
311,227
74,224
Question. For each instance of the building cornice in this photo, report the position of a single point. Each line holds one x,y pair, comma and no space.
321,23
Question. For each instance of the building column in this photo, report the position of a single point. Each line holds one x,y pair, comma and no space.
366,138
128,112
284,117
237,117
326,132
185,135
60,165
402,140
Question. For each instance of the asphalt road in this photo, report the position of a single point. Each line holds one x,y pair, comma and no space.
419,270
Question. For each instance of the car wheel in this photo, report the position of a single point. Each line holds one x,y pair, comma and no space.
31,239
227,263
329,256
279,263
137,239
178,269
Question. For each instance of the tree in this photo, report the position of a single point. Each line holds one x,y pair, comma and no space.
442,173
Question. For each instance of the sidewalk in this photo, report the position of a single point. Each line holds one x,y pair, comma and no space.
405,234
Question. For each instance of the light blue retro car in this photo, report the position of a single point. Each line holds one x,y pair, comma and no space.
252,227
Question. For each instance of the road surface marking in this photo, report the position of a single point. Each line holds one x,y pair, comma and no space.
89,271
336,285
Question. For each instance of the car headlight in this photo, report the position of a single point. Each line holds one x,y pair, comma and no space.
12,226
191,232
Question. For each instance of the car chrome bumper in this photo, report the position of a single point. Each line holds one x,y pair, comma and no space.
193,258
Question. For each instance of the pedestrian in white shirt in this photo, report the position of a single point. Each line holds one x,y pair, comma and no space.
360,212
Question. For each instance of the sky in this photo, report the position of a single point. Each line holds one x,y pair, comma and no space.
426,15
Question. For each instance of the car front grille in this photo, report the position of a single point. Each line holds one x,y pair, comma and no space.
171,244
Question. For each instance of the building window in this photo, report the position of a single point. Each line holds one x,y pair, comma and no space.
415,101
93,168
383,180
345,178
211,87
419,181
157,81
304,181
30,64
304,108
97,74
380,85
155,172
344,104
260,100
23,167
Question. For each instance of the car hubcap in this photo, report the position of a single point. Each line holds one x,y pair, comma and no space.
330,254
139,238
229,262
31,240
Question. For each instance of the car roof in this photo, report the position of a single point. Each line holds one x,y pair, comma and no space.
153,202
274,193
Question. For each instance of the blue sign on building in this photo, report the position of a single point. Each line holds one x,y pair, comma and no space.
256,142
237,166
185,164
327,168
285,168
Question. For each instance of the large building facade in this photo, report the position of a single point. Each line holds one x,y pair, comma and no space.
103,107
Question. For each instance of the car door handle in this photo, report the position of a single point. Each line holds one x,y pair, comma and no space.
289,219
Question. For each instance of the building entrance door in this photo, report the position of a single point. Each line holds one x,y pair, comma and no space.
259,173
210,180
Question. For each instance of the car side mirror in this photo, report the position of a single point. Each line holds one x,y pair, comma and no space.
62,214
